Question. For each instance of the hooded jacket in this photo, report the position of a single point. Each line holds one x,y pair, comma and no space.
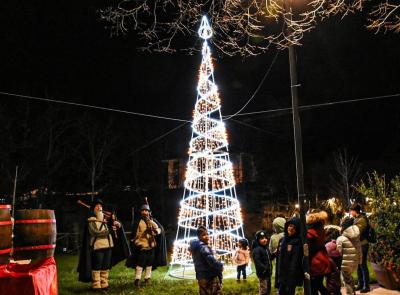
290,257
320,263
278,226
262,260
348,244
205,264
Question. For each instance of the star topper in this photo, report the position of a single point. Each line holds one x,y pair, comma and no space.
205,31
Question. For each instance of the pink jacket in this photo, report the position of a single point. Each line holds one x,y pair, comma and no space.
241,257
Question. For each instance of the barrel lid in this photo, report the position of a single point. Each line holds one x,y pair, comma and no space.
2,206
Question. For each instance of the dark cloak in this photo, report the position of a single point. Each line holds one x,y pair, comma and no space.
160,255
119,252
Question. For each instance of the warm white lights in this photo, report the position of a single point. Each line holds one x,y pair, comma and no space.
209,198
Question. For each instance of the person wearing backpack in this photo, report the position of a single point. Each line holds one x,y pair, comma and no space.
361,221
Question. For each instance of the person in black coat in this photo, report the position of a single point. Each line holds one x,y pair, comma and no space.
103,246
262,261
290,257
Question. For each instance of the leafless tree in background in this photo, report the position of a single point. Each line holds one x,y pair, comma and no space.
346,172
96,148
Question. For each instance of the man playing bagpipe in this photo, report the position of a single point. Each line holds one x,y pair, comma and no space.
148,246
103,245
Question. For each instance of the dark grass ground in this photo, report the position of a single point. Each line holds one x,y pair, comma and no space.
121,281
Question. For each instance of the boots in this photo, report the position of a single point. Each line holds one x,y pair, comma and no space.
96,280
104,279
138,276
147,276
137,283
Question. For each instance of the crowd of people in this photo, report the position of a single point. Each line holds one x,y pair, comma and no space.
333,253
325,262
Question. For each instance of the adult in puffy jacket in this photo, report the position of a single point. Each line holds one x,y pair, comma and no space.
290,273
348,245
320,263
208,269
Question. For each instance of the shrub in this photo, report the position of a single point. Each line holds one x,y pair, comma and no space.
383,198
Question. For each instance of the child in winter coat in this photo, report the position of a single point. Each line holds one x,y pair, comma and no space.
348,245
333,281
208,269
262,261
242,258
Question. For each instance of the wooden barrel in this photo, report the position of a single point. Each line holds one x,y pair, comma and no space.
34,234
5,233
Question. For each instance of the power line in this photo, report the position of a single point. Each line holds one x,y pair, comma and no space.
93,107
158,138
258,87
258,129
313,106
227,117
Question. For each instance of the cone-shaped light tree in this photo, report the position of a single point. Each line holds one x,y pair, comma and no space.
209,198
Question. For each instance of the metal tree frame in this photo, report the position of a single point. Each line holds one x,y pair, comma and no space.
209,198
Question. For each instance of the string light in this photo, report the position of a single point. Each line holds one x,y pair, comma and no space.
209,198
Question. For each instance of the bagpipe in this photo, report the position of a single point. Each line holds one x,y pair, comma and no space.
109,218
150,227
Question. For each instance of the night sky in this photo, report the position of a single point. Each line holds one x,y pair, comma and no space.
62,50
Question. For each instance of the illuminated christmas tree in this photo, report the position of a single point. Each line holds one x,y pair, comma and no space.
209,198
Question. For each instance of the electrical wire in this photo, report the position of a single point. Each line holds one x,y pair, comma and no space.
93,107
157,138
258,129
319,105
258,87
227,117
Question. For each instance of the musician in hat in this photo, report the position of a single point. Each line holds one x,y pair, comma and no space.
95,259
148,246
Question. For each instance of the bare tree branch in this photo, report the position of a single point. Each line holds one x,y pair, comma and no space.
244,27
241,27
385,16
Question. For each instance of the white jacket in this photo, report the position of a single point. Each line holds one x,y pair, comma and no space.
348,245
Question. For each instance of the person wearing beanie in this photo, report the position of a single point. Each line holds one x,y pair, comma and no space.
361,221
208,269
320,263
278,225
290,273
148,246
348,245
262,261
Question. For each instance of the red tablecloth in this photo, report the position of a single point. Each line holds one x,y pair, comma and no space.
39,278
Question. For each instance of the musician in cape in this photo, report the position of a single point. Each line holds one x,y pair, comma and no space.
148,246
103,245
